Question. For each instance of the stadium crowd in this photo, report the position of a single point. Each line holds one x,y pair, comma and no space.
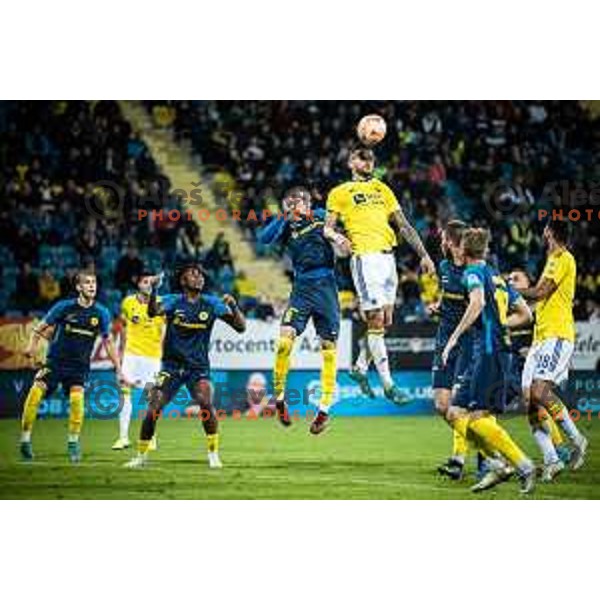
489,162
72,176
492,163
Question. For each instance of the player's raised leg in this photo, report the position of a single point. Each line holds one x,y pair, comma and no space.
283,354
328,376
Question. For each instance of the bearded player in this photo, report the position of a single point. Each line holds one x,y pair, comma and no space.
547,364
314,295
71,326
190,317
368,211
141,348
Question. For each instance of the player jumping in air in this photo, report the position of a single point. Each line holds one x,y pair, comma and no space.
72,327
368,209
141,347
190,317
547,364
314,295
482,389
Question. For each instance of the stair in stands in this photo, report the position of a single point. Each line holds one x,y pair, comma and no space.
178,164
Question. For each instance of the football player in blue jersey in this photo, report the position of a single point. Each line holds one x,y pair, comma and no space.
481,391
71,327
190,317
308,243
451,307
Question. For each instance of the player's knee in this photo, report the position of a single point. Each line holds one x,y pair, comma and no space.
202,394
375,319
538,392
288,332
441,406
328,344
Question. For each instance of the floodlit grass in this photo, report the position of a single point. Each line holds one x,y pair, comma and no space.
359,458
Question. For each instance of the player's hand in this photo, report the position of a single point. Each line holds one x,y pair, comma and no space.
230,301
342,244
449,347
31,356
427,265
433,308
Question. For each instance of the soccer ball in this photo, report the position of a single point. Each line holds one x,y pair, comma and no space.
371,129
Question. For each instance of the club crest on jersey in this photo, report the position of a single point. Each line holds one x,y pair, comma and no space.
135,319
94,321
203,316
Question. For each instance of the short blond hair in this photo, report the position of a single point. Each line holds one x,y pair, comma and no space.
475,242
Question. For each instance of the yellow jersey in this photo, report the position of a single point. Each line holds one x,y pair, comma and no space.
365,208
144,334
554,315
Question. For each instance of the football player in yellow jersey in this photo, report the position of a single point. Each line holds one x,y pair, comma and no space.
369,211
547,363
141,350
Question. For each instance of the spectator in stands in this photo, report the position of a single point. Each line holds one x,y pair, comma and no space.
128,268
219,253
49,288
67,283
27,289
245,290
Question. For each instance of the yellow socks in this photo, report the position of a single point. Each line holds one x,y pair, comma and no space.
553,430
212,442
282,363
328,375
32,403
460,445
75,411
144,446
495,438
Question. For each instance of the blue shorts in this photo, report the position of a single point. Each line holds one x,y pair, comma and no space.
483,384
53,376
317,299
445,376
514,389
172,376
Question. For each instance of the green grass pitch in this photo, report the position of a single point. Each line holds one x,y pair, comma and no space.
358,458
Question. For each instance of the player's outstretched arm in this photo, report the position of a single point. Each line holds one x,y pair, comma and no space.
272,232
335,237
410,234
41,331
155,307
520,316
544,288
113,355
474,308
235,318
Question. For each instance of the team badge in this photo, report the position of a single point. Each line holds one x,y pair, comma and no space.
94,321
203,316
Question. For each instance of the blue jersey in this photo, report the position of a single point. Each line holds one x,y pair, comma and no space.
311,254
489,332
189,325
454,300
76,330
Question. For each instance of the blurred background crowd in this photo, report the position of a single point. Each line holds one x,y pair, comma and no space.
490,163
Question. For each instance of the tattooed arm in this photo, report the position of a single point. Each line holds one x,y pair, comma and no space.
409,233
